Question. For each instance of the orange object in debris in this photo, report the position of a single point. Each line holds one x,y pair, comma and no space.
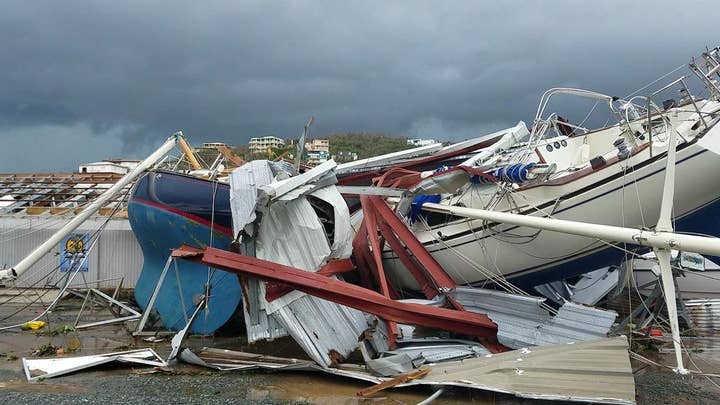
655,333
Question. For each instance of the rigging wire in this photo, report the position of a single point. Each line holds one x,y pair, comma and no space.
655,81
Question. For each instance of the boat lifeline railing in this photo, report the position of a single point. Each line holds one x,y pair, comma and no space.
684,90
545,99
540,124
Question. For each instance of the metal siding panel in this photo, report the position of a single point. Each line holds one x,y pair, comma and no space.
117,253
522,322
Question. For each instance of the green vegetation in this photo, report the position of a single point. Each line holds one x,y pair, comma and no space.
366,144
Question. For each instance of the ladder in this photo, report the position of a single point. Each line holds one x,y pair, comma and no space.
709,72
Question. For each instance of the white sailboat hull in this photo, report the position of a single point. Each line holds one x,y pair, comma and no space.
623,194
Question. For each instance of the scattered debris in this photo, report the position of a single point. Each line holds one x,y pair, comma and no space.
45,350
9,356
589,289
38,369
596,371
33,325
523,322
400,379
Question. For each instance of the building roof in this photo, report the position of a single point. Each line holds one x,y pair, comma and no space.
56,193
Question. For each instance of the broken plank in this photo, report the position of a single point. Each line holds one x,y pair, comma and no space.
402,378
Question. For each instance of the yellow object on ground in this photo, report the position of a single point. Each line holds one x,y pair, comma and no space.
34,325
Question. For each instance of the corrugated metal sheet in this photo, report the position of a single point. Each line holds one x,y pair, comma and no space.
434,350
291,234
705,316
244,182
522,322
595,371
117,253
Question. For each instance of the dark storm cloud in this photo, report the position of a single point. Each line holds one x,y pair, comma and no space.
101,79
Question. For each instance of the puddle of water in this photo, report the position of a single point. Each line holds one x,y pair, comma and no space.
16,344
325,389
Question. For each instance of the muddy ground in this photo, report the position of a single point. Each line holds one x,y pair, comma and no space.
185,384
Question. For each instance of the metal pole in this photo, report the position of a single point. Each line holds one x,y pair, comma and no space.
664,223
663,254
100,201
668,285
153,297
301,146
642,237
692,100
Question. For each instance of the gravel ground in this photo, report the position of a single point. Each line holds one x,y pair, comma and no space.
192,385
665,388
119,387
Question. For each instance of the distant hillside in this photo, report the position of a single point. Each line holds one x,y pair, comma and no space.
366,144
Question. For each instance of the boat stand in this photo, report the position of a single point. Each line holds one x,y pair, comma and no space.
139,329
110,304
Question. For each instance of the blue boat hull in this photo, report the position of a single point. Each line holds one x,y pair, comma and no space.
162,220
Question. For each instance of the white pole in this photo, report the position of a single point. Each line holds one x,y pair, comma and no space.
642,237
663,254
668,284
100,201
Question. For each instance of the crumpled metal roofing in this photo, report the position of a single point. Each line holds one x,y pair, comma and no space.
291,233
434,350
596,371
523,322
244,182
39,369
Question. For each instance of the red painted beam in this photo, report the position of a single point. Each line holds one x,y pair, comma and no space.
370,223
362,254
435,271
275,290
386,289
418,274
468,323
364,177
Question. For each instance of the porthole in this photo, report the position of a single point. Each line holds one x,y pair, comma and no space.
549,148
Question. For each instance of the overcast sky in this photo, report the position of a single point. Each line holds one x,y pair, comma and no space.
88,80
